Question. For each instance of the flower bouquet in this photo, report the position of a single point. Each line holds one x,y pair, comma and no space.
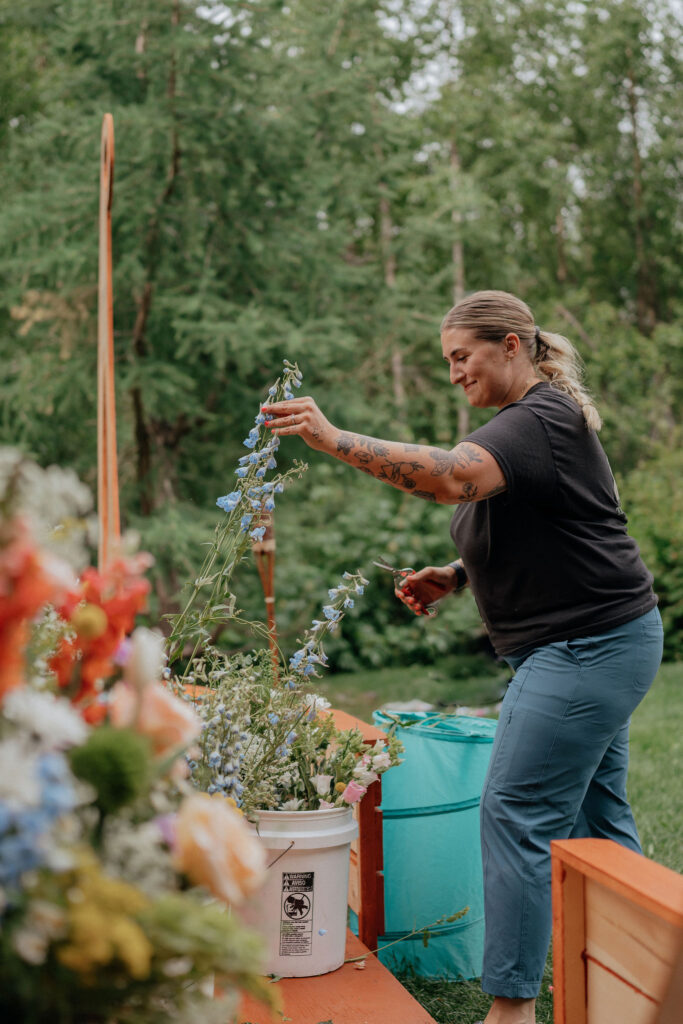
116,875
266,741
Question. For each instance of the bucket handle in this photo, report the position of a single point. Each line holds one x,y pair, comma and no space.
269,866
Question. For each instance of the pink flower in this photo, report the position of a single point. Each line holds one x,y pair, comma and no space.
325,805
353,792
167,721
214,848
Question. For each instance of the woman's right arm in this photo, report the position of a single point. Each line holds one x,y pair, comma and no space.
465,473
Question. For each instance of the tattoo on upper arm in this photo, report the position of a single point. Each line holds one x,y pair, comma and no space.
465,454
498,489
408,448
443,461
469,491
427,495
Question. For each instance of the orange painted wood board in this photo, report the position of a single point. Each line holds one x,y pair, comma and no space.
647,884
343,720
349,995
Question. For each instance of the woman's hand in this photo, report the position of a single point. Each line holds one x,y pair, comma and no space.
301,416
425,587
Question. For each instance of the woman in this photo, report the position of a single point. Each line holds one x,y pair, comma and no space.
562,591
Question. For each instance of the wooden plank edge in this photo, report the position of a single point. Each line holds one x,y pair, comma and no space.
643,881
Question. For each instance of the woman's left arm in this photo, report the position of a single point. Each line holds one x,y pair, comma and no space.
465,473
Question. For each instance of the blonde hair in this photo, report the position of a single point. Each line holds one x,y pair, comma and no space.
493,315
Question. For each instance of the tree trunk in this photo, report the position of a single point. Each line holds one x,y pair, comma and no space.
458,261
143,430
644,297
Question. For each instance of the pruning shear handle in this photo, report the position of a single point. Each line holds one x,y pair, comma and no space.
400,576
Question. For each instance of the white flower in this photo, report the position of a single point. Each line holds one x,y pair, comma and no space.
316,703
291,805
19,775
50,719
381,761
322,783
364,776
146,659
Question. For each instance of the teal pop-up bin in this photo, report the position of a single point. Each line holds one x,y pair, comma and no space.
432,856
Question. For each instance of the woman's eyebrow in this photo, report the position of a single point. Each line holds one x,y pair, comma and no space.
451,354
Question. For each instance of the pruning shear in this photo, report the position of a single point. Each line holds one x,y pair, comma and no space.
400,577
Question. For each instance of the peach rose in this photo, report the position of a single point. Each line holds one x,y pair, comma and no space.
214,848
168,722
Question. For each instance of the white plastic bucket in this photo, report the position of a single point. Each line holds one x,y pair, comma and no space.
301,910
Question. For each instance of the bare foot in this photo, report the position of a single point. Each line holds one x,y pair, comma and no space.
511,1011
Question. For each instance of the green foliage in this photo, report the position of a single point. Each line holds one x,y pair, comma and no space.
655,503
300,181
116,762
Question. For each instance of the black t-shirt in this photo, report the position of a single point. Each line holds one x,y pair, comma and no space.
549,558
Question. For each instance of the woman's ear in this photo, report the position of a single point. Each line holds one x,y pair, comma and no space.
511,345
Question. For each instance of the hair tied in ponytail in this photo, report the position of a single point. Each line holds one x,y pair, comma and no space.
542,347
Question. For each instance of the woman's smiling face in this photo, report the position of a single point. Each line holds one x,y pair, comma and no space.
481,368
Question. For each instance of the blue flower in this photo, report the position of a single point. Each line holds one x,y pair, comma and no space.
272,391
271,463
229,501
281,751
309,670
332,593
291,736
288,393
260,419
330,613
348,603
254,458
273,718
242,471
257,533
261,472
296,382
269,505
244,522
360,590
279,488
250,442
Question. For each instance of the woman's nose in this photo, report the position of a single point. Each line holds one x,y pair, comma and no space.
457,373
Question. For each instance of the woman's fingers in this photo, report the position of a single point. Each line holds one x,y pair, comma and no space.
406,596
298,416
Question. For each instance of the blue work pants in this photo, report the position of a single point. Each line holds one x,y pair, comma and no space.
558,770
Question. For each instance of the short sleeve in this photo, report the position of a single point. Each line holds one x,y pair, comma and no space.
518,441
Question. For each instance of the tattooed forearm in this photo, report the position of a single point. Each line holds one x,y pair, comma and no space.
345,443
433,474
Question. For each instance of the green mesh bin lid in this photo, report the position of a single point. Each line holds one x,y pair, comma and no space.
431,724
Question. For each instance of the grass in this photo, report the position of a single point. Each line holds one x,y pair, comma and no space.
472,679
654,789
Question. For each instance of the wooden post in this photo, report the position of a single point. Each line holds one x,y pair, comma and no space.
264,553
107,472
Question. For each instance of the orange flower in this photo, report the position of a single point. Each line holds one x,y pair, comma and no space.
102,611
29,579
167,721
215,848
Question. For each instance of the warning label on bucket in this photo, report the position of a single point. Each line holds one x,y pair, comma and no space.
296,918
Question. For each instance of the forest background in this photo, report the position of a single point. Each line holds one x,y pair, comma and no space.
319,181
